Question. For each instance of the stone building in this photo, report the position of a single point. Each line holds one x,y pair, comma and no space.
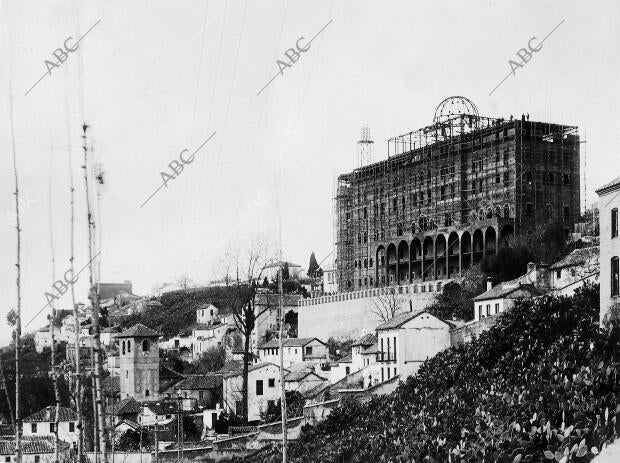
139,363
609,205
451,193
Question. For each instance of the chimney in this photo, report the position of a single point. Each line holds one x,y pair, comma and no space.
489,283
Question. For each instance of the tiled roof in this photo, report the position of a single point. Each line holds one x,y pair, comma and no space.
49,414
347,359
162,408
32,445
128,406
109,290
374,349
139,331
289,342
578,257
398,320
609,186
510,288
366,340
253,367
200,382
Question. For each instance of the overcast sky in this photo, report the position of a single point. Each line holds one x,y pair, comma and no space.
153,78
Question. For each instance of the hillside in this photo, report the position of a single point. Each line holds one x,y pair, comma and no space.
542,385
179,309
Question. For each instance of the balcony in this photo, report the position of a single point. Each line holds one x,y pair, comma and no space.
386,356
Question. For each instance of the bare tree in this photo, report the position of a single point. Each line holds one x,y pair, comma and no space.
248,274
387,304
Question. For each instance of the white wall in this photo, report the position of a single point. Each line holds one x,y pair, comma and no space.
43,429
495,306
609,247
232,387
349,318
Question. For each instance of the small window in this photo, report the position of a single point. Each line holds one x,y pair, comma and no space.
488,310
37,459
52,427
614,222
497,308
309,350
201,395
558,273
128,346
272,382
71,427
147,393
480,312
347,370
615,276
259,387
123,348
33,428
145,345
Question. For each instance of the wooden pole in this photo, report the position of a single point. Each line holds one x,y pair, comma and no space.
282,375
18,321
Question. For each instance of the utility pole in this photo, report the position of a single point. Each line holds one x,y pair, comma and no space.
94,293
18,321
156,438
282,383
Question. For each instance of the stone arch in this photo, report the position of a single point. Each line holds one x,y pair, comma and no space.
440,253
403,251
505,233
490,241
390,255
478,241
415,250
428,248
453,244
380,256
466,242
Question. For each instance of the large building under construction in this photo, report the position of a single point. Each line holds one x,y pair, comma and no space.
450,194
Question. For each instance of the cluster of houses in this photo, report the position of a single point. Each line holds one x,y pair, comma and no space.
141,393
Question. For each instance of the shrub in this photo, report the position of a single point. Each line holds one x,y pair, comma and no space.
541,385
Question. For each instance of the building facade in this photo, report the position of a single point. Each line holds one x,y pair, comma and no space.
609,205
451,193
139,363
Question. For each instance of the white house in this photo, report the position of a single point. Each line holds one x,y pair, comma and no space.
364,352
407,340
303,381
574,270
42,339
609,204
295,350
330,285
207,313
205,337
42,423
263,388
35,449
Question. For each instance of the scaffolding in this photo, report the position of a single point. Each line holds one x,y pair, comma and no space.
462,169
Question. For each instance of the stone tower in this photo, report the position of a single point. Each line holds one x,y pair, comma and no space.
139,363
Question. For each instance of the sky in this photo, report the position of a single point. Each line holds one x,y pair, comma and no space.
153,78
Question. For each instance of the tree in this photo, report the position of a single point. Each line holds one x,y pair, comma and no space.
386,305
211,360
313,266
508,263
245,309
456,301
295,402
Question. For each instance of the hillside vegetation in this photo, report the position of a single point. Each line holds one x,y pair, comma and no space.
179,309
542,385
